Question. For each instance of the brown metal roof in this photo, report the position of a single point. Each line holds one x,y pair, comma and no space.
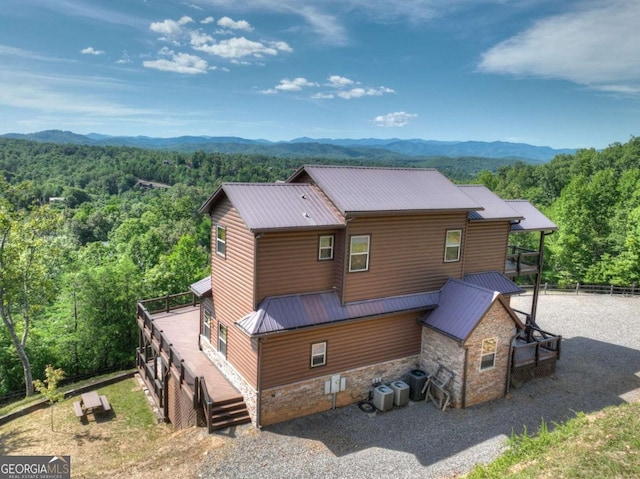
202,288
269,206
462,307
495,208
285,313
494,281
372,190
533,220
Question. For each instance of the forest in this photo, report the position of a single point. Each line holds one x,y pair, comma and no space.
83,237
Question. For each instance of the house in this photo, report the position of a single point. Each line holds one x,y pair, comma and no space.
344,276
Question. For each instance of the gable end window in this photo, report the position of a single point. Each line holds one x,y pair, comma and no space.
359,253
488,354
452,246
318,354
221,240
325,248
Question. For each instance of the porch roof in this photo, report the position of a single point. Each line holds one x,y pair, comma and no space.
495,208
494,281
533,220
462,307
284,313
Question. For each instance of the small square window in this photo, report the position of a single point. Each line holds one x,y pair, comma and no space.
452,246
318,354
221,240
359,253
325,247
488,355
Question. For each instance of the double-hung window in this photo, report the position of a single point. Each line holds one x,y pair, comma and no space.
452,246
359,253
222,339
325,248
318,354
221,240
488,354
206,325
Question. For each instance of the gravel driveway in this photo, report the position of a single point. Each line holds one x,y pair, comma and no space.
599,366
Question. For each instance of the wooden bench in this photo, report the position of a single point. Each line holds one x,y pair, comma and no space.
105,403
77,408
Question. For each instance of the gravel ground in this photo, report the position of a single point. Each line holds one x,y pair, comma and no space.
599,366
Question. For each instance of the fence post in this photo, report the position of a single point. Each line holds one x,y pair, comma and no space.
611,292
633,289
167,303
577,288
546,285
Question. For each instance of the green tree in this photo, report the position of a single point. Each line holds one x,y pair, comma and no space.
49,387
28,252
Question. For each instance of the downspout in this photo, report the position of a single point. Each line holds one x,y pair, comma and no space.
463,400
259,384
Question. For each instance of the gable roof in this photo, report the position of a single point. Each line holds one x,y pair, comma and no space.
202,288
462,306
533,220
291,312
271,206
495,208
364,190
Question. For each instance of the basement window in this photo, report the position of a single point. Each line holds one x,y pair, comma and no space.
488,355
318,354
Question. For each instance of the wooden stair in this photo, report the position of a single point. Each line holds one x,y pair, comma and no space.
231,412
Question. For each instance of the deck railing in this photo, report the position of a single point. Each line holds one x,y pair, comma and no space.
206,402
162,346
536,352
522,260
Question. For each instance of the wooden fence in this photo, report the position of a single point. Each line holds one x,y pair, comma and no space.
579,288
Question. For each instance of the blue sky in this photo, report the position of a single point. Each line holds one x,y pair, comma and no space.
561,74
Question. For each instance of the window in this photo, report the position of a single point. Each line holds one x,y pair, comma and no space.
359,253
222,339
206,325
318,354
221,240
452,246
325,247
488,355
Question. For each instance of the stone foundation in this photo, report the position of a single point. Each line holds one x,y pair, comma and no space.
287,402
440,349
248,393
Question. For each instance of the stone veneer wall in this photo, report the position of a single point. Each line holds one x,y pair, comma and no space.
491,383
307,397
248,392
440,349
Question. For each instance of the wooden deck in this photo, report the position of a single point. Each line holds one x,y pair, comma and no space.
181,328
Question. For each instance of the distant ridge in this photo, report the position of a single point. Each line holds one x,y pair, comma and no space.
309,147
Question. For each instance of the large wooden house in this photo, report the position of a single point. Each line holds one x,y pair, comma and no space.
343,277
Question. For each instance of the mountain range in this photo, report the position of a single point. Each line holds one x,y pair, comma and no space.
372,148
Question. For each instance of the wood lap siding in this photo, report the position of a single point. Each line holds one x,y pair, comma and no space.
406,255
486,246
286,358
232,280
287,263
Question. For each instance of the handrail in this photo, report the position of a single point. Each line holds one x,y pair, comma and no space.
168,302
206,402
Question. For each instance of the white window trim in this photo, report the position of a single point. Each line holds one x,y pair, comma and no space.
448,245
322,354
219,241
206,324
352,254
494,354
324,248
223,341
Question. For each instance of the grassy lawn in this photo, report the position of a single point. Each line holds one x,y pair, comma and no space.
602,445
125,443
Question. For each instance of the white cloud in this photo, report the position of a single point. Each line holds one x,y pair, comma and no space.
296,84
396,119
226,22
207,20
91,51
240,47
124,59
199,38
595,45
338,81
322,96
360,92
171,29
179,63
